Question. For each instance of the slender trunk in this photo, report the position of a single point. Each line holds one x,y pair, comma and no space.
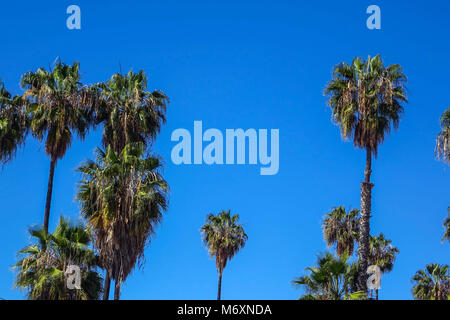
376,294
368,170
107,286
364,230
49,193
117,290
219,289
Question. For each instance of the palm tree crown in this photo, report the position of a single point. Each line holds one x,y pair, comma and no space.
60,106
341,228
129,112
223,237
123,197
382,253
42,269
443,139
432,283
332,279
13,124
365,99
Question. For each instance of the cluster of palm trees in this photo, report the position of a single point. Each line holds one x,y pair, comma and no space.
366,100
336,276
433,282
122,194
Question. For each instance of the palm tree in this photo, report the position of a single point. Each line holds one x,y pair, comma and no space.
60,106
341,228
365,99
224,237
13,124
433,283
447,227
382,254
443,139
129,112
122,197
42,268
332,279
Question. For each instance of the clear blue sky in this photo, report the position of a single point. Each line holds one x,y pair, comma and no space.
244,64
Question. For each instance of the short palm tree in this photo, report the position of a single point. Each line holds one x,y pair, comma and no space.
447,227
332,279
42,268
59,106
223,237
122,197
382,254
13,124
341,228
432,283
129,112
366,100
443,139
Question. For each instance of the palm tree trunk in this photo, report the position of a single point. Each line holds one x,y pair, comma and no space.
364,230
107,286
117,290
49,193
219,289
368,170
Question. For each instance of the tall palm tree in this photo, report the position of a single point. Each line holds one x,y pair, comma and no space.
122,197
224,237
447,227
443,139
42,268
366,100
129,112
60,107
382,254
432,283
332,279
13,124
341,228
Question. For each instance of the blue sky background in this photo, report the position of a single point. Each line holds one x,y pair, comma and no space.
244,64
